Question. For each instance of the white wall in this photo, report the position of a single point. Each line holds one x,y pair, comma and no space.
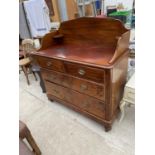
127,3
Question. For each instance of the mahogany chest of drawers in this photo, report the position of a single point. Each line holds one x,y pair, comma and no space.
84,66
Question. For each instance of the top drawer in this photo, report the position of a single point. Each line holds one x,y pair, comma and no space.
52,64
81,71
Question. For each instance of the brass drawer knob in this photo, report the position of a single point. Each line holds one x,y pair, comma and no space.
81,72
83,87
49,64
85,105
56,91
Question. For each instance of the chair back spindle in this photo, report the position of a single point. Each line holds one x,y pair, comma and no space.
27,46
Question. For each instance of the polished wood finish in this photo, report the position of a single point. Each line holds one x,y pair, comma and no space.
52,64
87,103
84,66
81,85
82,71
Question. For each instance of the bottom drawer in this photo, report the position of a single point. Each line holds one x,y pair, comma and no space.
84,102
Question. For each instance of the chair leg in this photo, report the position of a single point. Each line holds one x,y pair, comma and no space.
26,74
33,144
122,106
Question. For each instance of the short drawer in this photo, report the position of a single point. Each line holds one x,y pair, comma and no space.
89,88
81,85
83,102
85,72
52,64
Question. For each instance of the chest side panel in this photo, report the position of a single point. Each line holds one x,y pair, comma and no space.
118,80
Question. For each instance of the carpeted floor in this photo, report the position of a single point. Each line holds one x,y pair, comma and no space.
59,130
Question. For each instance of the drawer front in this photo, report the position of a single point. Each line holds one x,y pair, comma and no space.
89,88
81,71
56,77
52,64
84,102
77,84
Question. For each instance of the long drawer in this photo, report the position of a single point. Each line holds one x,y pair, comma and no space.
85,72
81,85
84,102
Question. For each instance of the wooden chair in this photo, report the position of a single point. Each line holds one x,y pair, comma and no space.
25,63
24,132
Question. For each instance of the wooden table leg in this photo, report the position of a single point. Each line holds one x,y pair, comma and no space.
34,75
26,74
122,106
42,85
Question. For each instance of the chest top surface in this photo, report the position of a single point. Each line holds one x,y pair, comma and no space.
90,54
